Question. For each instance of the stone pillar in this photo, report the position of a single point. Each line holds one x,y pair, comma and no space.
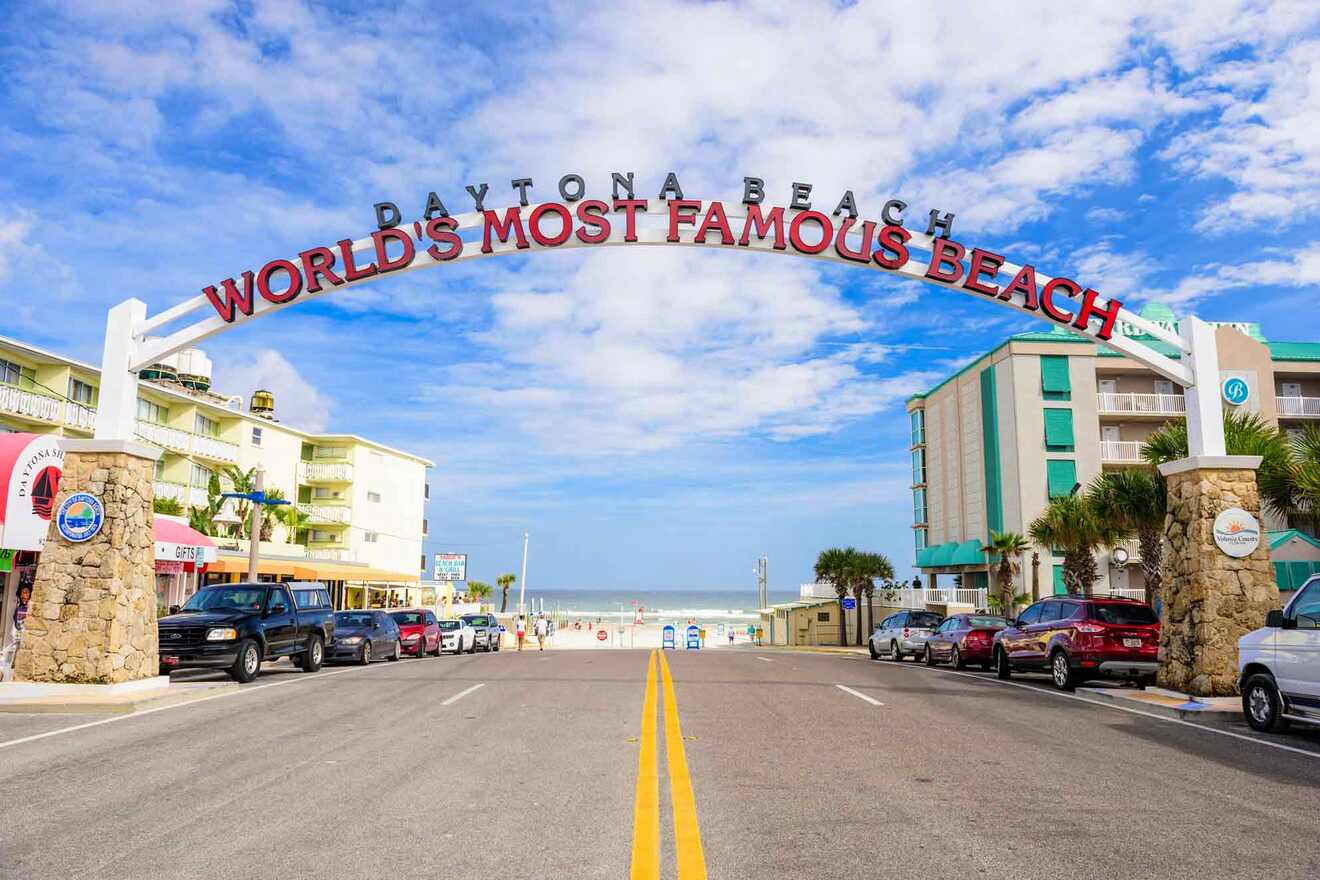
1210,599
92,617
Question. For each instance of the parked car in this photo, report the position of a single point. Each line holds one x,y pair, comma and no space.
1075,639
418,630
1279,664
236,626
903,633
486,629
363,636
457,635
963,639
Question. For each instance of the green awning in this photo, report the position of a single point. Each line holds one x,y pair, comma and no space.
968,553
1060,476
1059,428
1054,374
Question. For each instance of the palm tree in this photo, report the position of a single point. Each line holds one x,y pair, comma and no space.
167,506
875,566
270,513
293,520
1135,500
203,518
1070,522
1305,455
1008,546
242,481
834,567
479,591
505,581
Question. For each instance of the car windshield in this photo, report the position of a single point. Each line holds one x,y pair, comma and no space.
923,619
450,625
1124,614
987,622
350,619
226,599
478,620
404,618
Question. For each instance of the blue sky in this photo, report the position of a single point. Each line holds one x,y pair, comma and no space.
653,417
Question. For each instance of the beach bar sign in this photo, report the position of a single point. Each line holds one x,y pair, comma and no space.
451,567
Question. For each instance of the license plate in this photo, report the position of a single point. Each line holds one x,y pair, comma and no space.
1132,643
168,661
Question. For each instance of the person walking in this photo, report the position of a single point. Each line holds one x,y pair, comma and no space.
521,630
542,629
730,636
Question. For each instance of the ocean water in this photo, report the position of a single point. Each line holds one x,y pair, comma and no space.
659,605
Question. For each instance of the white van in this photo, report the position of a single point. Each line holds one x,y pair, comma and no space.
1279,664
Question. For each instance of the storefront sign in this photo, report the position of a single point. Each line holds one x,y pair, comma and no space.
1236,390
30,469
1236,532
80,517
450,567
167,551
6,560
166,566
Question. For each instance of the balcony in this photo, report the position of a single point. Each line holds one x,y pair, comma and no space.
80,417
165,437
1136,404
1298,407
908,597
214,448
333,554
1121,451
188,496
326,514
29,404
324,472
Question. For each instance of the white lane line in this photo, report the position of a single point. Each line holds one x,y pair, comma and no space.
247,690
765,659
859,695
461,694
1107,705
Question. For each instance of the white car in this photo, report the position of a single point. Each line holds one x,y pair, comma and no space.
457,635
1279,664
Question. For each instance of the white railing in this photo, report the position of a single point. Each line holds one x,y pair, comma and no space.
188,496
333,554
1135,403
909,597
166,438
78,416
325,472
211,447
1298,406
1120,450
26,403
1127,593
1132,546
325,513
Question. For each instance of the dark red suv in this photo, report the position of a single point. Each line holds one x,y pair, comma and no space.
1075,638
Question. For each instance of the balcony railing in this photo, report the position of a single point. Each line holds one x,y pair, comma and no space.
1298,407
324,472
909,597
325,513
334,554
29,404
78,416
212,447
164,437
188,496
1121,451
1130,403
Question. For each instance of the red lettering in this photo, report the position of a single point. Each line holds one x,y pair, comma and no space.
512,223
1070,288
983,263
233,299
565,219
1109,312
715,219
945,252
678,209
592,214
351,270
862,254
441,231
319,263
762,223
630,207
892,240
1024,282
382,254
795,232
263,282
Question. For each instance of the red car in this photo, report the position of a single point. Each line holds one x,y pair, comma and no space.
963,639
418,630
1075,638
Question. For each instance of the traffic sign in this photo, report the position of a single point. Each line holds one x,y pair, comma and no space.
849,604
601,635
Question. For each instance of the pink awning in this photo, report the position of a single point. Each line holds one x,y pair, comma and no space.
176,542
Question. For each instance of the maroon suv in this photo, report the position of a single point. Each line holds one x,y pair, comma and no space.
963,639
1075,638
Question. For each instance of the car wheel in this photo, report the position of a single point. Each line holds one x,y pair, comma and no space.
1003,669
894,653
365,656
955,659
497,645
438,649
421,647
870,646
1061,672
1262,705
398,651
929,656
472,648
247,664
314,656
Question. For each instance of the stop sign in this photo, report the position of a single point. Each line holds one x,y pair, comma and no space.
601,635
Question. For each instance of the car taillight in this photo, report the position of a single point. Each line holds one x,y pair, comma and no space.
977,637
1091,628
905,632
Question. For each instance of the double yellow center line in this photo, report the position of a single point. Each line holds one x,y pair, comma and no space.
690,858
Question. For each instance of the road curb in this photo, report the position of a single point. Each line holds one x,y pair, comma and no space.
1217,711
127,705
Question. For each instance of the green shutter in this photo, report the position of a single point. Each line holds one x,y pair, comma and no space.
1298,572
1054,382
1281,576
994,495
1059,429
1059,588
1061,476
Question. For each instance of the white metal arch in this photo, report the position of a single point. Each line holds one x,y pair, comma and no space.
132,341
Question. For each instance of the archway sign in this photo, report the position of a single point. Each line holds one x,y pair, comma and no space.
805,228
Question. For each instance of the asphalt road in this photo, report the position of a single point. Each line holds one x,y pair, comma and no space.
535,766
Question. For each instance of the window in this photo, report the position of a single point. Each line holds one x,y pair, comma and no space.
822,617
1031,615
1054,381
423,565
919,506
1123,614
201,476
918,466
13,374
373,497
918,427
1305,609
328,452
311,598
1060,477
1059,429
256,436
919,539
923,619
426,491
204,426
1069,610
151,412
370,537
425,529
158,471
1163,386
82,393
1050,611
278,596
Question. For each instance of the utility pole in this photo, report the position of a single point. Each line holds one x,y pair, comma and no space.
762,582
522,581
254,530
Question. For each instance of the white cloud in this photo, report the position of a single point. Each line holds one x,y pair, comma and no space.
1298,269
297,401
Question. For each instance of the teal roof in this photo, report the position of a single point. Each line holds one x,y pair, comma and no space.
1294,351
1158,345
951,553
1282,537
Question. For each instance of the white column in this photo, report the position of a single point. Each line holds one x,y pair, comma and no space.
116,409
1205,420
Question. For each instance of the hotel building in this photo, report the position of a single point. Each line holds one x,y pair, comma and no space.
1046,411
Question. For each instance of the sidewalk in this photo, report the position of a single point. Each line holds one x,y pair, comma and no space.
112,704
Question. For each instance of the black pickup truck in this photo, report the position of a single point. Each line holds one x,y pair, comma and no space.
236,626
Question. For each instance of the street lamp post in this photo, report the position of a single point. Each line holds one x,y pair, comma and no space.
522,581
258,499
